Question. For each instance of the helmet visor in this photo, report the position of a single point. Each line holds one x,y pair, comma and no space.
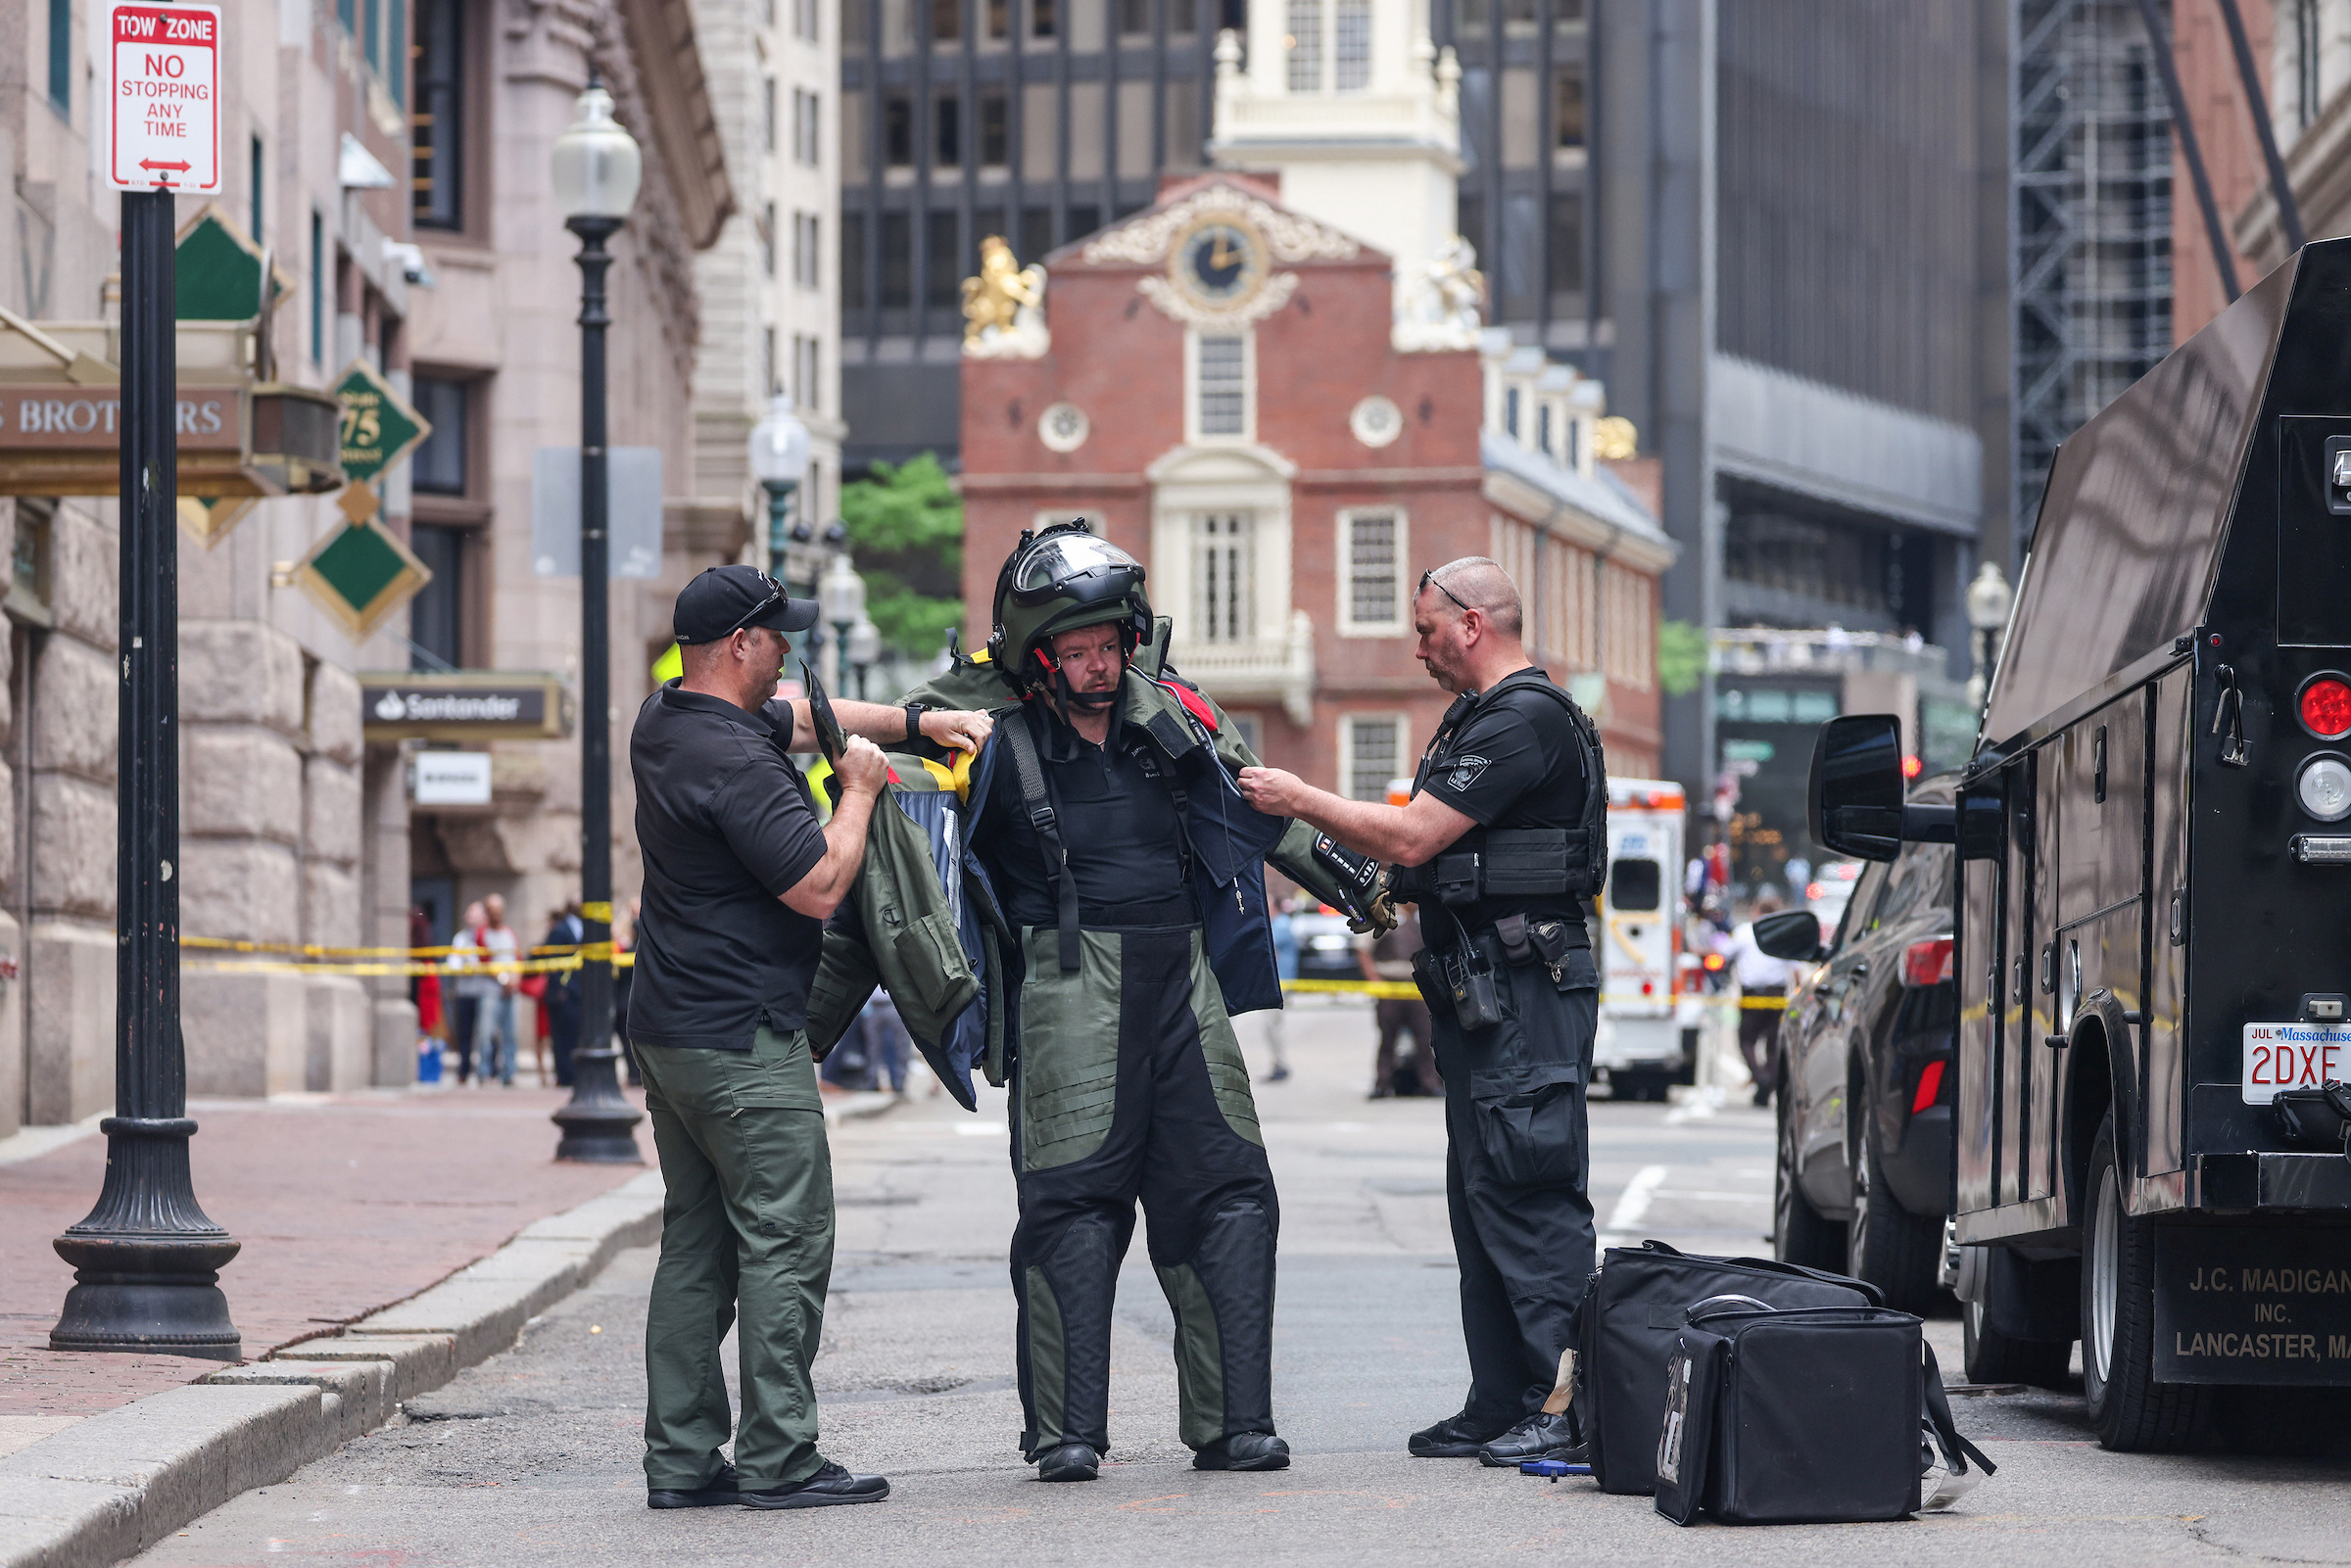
1064,563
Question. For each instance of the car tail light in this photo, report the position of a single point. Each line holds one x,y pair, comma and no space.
1930,1084
2326,707
1927,963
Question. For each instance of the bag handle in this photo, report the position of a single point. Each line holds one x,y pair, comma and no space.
1772,1265
1955,1448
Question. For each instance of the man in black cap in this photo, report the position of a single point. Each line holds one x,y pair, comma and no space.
738,879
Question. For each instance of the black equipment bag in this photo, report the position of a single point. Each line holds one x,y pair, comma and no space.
1813,1415
1632,1308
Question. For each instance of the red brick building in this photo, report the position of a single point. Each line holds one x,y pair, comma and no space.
1217,382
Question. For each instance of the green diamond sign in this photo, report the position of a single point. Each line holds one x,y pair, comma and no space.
359,575
379,428
218,268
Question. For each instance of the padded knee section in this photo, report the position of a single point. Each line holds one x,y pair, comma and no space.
1234,1264
1065,1336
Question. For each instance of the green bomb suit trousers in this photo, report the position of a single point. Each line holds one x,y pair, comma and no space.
746,1226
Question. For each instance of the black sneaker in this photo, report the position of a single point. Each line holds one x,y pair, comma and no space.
1069,1462
1244,1450
828,1488
1539,1437
1453,1438
716,1493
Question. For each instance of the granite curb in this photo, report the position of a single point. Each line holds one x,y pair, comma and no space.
112,1485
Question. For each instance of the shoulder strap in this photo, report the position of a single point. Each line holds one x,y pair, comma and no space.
1955,1448
1031,772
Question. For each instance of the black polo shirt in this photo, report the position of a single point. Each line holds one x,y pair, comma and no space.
726,825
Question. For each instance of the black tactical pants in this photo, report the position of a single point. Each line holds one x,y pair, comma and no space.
1517,1165
1130,1084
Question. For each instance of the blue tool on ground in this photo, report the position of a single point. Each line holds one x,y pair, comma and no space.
1553,1469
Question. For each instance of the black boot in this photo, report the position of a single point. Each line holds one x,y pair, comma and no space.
1453,1438
1244,1450
1539,1437
1069,1461
829,1488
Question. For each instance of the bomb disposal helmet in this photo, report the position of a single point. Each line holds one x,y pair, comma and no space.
1057,581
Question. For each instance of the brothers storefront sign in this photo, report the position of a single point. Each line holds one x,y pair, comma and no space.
257,440
464,706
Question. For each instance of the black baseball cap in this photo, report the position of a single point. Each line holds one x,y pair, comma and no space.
724,599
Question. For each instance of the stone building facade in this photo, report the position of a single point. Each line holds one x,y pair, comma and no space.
291,826
495,352
771,285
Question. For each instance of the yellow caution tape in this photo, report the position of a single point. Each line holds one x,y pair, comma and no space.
1406,990
600,912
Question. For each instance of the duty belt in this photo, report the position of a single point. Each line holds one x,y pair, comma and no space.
1508,863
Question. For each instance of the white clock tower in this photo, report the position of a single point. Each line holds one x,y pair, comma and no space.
1351,103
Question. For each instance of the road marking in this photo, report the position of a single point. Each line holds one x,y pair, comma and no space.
1717,1197
1632,1204
981,1129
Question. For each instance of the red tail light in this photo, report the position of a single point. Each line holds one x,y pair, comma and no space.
1930,1084
1927,963
2326,708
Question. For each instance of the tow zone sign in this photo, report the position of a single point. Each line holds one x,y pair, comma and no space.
163,92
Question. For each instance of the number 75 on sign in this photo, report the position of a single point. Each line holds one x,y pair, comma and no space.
164,98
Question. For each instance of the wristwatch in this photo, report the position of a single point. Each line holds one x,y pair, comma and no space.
913,721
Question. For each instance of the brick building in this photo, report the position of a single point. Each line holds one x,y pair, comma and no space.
1243,397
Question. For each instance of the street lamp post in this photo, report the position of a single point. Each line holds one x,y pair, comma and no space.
1989,600
779,462
840,597
147,1259
596,170
865,647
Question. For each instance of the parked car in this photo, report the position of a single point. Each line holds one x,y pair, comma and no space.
1830,891
1325,946
1865,1090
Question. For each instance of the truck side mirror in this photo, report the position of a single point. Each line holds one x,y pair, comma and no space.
1856,794
1792,933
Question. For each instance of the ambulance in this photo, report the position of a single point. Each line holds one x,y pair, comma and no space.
1645,1042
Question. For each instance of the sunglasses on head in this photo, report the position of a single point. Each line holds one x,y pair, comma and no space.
775,597
1428,580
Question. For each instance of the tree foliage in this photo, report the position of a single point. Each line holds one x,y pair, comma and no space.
1681,657
906,529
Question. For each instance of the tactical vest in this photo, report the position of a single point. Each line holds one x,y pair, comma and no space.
1488,864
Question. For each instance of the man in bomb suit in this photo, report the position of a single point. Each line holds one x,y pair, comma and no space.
1130,875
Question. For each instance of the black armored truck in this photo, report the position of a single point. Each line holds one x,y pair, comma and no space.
2154,898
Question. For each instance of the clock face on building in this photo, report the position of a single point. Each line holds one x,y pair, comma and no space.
1219,262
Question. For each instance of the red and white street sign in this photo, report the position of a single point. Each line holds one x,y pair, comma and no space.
164,94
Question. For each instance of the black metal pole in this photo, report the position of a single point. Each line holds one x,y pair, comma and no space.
598,1120
2159,41
2282,189
147,1259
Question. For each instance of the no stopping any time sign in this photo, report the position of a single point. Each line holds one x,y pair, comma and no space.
164,98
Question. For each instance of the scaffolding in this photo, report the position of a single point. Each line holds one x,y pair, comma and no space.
2091,224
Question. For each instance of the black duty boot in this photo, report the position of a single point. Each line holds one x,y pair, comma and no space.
1244,1450
1069,1461
1453,1438
719,1492
1538,1437
829,1488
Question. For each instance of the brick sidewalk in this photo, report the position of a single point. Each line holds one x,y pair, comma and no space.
343,1206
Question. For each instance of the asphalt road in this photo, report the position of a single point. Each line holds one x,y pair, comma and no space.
531,1458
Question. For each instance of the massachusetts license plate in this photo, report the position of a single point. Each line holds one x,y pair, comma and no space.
2294,1056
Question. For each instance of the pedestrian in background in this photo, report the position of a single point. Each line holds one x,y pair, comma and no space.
1762,998
1389,957
471,986
624,979
424,989
887,1043
494,1043
561,1000
1286,968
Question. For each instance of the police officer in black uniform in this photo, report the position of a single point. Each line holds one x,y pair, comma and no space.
1503,843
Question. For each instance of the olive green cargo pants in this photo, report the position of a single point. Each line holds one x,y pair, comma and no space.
748,1225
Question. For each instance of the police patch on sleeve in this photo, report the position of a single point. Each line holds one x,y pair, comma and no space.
1465,770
